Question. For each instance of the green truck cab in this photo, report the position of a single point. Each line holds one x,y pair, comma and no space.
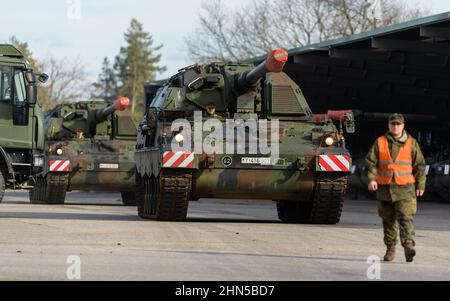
21,121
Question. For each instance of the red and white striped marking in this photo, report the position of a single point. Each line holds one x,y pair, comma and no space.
337,163
59,165
178,160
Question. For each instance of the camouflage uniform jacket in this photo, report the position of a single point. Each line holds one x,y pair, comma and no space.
395,192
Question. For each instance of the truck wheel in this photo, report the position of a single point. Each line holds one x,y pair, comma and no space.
2,186
166,198
128,198
50,190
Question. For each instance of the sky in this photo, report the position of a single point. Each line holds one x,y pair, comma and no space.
93,29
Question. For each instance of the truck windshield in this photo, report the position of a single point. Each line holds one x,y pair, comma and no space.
19,88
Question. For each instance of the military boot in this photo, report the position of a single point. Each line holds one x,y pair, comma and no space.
410,252
390,253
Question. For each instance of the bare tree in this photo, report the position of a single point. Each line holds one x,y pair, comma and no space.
353,16
67,77
251,30
214,38
67,82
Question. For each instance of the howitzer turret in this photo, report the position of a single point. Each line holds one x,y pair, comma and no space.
231,88
249,99
119,105
274,63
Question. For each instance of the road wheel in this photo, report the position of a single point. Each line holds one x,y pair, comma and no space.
128,198
2,186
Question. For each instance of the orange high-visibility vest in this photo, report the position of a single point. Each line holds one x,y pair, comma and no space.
401,169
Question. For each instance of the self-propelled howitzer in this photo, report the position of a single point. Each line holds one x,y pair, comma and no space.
89,147
305,170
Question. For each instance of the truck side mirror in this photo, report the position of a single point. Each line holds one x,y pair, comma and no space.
30,76
31,94
31,87
43,78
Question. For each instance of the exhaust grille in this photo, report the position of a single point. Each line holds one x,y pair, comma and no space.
284,101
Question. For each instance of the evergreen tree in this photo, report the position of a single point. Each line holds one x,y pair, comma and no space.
136,64
106,86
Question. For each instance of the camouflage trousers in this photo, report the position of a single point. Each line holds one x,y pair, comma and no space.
397,215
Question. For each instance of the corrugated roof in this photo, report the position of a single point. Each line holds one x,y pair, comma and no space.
399,68
376,33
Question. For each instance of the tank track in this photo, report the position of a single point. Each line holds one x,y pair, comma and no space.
324,208
165,198
329,199
140,195
50,189
128,198
2,186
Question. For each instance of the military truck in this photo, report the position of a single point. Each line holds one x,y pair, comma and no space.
21,121
307,178
89,147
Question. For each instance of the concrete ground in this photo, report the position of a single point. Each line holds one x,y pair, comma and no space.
238,240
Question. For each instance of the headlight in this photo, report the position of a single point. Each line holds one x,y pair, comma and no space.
179,138
59,152
329,141
38,161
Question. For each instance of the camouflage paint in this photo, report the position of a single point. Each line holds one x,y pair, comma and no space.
293,177
398,216
102,157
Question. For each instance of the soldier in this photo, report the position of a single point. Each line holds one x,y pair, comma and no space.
397,184
79,134
211,110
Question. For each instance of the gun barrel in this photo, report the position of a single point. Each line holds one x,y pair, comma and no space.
120,104
332,115
416,118
274,63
